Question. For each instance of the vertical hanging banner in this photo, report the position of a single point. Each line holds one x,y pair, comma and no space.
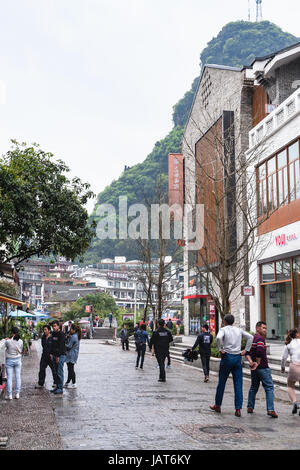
212,317
176,184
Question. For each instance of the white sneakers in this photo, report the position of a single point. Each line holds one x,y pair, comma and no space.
9,397
70,385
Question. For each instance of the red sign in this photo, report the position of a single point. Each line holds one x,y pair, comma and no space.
88,309
247,290
176,182
212,317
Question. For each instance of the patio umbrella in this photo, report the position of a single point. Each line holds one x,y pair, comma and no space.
20,314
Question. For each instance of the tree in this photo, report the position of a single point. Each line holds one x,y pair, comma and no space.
101,302
42,211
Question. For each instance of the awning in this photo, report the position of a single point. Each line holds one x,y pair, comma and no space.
8,299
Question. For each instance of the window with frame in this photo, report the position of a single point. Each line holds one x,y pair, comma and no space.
278,179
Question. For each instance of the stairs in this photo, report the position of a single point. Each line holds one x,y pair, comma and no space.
103,333
279,378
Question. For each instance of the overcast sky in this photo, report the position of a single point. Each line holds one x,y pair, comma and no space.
94,81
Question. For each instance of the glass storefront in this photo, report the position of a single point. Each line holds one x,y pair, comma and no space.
280,282
198,313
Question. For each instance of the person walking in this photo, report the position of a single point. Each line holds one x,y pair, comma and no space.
58,356
292,349
160,340
110,319
13,362
178,325
45,358
124,335
260,372
72,347
141,338
170,324
229,341
204,341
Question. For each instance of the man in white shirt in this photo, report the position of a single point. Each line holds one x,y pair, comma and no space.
229,342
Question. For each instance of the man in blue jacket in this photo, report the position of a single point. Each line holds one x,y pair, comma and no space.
204,340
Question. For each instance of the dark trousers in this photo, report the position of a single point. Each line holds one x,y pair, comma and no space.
169,359
205,363
44,363
161,357
126,342
140,355
71,373
231,363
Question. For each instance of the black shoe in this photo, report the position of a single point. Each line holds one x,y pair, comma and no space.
54,390
295,408
161,380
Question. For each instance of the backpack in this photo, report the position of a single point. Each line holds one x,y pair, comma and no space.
139,338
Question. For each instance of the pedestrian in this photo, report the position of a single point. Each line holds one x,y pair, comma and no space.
160,340
260,372
229,341
58,356
45,358
170,324
168,354
72,347
151,324
204,341
124,335
292,349
141,338
101,322
178,325
13,362
110,319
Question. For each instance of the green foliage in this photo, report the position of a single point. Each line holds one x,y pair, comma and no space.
42,211
9,288
137,183
102,304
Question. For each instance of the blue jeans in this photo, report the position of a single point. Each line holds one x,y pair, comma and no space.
231,363
59,368
13,365
263,376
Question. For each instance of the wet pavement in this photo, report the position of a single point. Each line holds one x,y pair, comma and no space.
117,407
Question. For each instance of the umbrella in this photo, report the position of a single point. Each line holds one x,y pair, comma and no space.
20,314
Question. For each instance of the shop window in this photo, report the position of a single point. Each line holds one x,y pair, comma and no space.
283,270
278,180
268,273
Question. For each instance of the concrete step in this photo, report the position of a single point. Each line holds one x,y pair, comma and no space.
274,363
103,333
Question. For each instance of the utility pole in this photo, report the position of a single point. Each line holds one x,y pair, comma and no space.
258,11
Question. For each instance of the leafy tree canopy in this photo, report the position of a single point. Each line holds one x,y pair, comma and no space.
42,211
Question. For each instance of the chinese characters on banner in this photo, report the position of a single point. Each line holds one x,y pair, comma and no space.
212,317
176,182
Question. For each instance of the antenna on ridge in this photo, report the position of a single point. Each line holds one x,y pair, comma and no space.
258,11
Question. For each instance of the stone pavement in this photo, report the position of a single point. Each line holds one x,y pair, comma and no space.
30,422
117,407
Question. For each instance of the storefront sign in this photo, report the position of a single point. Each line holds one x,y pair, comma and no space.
88,309
247,290
284,238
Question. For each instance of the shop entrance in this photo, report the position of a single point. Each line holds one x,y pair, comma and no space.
278,309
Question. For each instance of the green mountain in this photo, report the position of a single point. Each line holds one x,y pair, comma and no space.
237,44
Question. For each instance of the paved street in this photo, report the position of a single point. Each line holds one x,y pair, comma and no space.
116,407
